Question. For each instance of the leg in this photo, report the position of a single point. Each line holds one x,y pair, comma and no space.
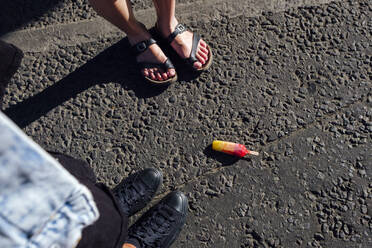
182,44
110,230
78,168
120,13
130,196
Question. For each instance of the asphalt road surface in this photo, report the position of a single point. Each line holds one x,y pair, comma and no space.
290,79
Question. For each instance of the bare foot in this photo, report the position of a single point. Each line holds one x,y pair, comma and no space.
152,55
155,55
182,44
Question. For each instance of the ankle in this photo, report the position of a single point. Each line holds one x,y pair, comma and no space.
166,27
134,39
126,245
132,243
137,34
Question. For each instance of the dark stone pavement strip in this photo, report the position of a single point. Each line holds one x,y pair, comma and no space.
296,85
25,14
22,14
72,32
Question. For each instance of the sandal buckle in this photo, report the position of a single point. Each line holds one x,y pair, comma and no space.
181,28
141,47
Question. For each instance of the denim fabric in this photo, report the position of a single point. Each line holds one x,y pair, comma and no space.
41,204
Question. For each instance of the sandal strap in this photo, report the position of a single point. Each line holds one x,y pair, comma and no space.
165,66
195,42
180,28
142,46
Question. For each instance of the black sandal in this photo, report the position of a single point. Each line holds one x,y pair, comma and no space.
195,42
142,46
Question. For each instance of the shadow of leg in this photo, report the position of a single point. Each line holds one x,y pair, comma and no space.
111,65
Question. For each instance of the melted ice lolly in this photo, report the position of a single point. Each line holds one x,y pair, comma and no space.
232,148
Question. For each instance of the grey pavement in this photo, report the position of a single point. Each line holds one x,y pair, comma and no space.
291,79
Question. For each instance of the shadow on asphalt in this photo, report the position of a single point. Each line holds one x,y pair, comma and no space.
16,13
112,65
224,159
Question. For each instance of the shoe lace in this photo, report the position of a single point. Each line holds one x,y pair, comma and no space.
133,193
130,194
157,226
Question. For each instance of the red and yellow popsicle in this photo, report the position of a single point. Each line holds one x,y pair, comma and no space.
232,148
